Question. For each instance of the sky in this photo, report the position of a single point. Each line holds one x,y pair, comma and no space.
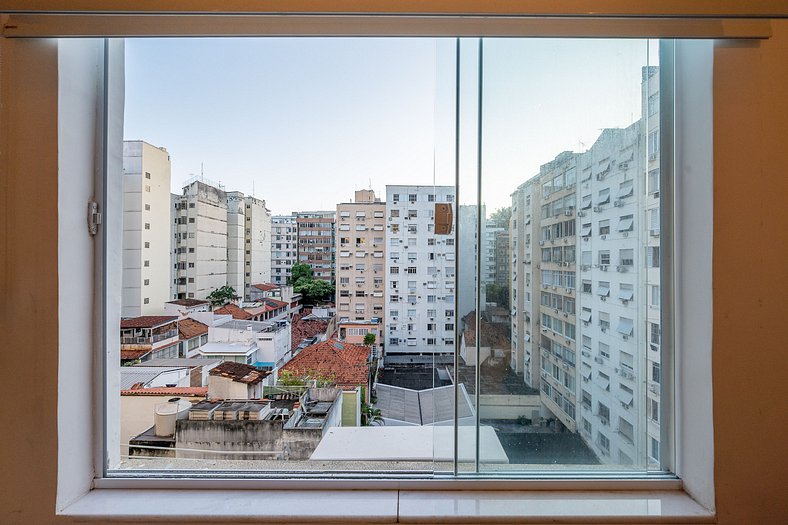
303,122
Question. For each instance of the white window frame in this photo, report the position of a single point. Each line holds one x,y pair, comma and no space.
82,495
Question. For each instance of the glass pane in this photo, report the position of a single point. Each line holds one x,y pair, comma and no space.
288,298
570,326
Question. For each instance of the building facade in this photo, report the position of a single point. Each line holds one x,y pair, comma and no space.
257,243
284,247
146,229
316,242
201,239
361,257
421,272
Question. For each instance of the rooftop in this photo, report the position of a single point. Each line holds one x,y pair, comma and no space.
266,287
132,375
188,362
130,355
236,311
189,302
189,328
421,407
494,335
236,348
256,326
147,321
239,372
191,391
347,364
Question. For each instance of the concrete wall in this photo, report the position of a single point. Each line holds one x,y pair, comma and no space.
136,415
508,407
750,115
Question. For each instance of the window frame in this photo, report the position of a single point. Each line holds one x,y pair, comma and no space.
687,267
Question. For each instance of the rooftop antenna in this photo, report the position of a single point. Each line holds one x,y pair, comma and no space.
253,195
202,169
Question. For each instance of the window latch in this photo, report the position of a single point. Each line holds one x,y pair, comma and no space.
94,217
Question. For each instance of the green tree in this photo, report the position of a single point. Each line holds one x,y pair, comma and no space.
370,416
300,271
369,339
501,217
222,296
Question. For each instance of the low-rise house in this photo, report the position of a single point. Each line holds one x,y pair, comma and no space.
192,335
198,367
235,311
343,364
185,307
148,337
137,407
262,344
153,376
356,331
235,381
495,340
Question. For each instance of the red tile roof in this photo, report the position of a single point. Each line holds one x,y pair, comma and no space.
194,391
147,321
188,302
127,355
301,329
494,335
266,287
189,328
273,304
240,372
236,311
346,363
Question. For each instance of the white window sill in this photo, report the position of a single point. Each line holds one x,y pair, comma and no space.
388,506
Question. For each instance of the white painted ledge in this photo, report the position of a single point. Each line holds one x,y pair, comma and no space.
387,506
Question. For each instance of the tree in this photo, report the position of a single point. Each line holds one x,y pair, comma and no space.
501,217
299,271
370,416
369,339
222,296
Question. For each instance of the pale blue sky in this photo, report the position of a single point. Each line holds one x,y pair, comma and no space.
310,120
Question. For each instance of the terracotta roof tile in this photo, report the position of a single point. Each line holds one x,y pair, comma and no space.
494,335
266,287
200,391
240,372
301,329
147,321
128,355
346,363
188,302
189,328
236,311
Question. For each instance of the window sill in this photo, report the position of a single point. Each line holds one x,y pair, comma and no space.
388,506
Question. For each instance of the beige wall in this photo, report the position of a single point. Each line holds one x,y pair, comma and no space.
750,239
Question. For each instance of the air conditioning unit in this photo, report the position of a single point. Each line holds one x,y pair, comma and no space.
541,243
600,176
603,267
618,203
603,237
569,212
599,360
620,269
597,208
585,323
625,337
604,330
584,267
603,299
623,165
567,290
625,234
581,214
654,233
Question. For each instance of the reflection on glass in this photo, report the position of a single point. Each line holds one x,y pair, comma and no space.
419,256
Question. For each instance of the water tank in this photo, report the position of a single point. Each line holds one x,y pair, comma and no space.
165,415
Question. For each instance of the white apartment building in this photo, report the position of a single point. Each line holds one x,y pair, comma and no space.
466,272
257,244
612,381
236,222
201,239
421,272
361,257
146,229
284,247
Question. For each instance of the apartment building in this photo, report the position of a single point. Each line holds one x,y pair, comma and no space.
236,222
361,257
555,284
257,243
201,239
596,287
146,235
284,247
316,242
421,272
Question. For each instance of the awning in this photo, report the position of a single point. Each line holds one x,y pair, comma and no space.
586,231
625,225
586,202
625,294
585,317
604,196
625,190
603,383
625,326
586,374
527,337
624,397
603,290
